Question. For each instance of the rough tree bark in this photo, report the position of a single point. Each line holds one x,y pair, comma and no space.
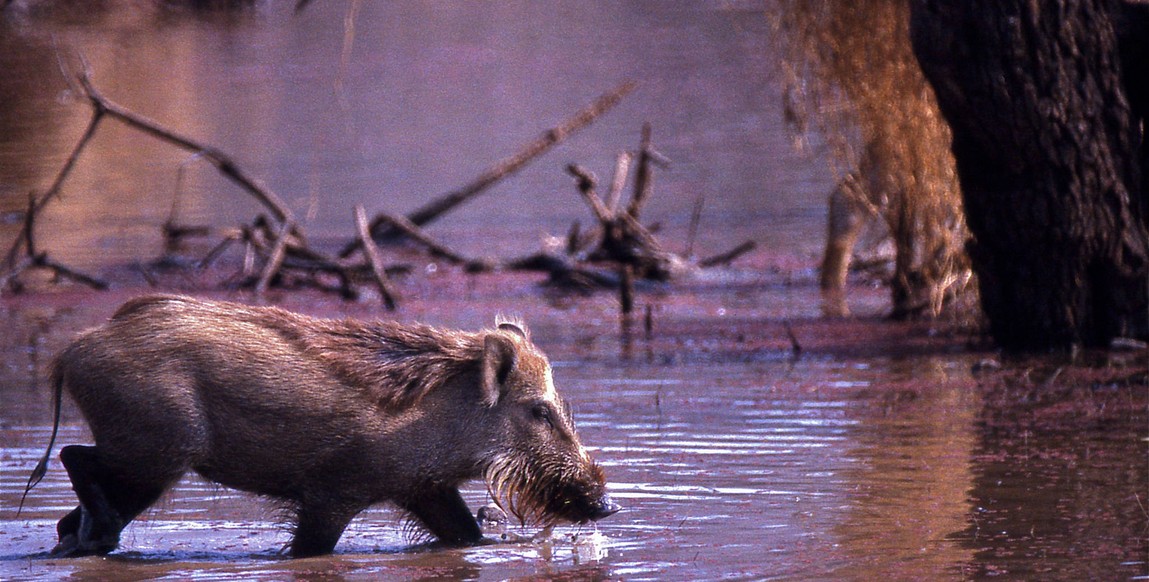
1047,104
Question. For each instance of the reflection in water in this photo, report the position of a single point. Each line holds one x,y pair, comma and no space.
910,467
432,95
1079,462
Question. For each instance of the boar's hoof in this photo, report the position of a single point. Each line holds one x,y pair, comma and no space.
492,520
70,546
76,537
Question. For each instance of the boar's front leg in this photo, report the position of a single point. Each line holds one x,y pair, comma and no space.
445,514
319,528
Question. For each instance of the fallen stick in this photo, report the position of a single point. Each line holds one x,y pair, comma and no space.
271,268
504,167
621,170
386,293
626,289
33,259
209,259
103,108
728,256
412,231
221,161
643,179
692,231
514,163
54,189
795,347
586,186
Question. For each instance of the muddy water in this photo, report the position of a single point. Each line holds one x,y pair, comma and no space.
874,452
733,457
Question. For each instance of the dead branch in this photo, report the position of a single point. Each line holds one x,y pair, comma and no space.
586,184
626,289
386,293
727,257
503,168
564,271
531,151
103,108
271,267
626,248
221,161
413,232
692,231
644,179
25,235
621,170
38,260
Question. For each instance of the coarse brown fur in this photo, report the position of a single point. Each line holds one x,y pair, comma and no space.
330,416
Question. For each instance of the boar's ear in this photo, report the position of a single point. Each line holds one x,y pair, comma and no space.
514,326
499,355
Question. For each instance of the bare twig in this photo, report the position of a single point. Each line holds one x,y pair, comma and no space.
795,347
54,190
412,231
29,225
695,217
68,273
221,161
728,256
271,268
506,166
621,170
512,164
218,250
586,185
626,289
102,108
33,259
644,179
386,292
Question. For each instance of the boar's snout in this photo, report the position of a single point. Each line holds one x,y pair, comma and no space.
604,507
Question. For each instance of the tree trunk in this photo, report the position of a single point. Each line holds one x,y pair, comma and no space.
1047,125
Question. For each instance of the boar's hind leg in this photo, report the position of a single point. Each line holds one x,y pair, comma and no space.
446,515
107,504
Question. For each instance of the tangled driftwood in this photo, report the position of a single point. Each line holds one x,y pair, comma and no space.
275,247
620,249
384,227
276,252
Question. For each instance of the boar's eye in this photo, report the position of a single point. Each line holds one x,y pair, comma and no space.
542,413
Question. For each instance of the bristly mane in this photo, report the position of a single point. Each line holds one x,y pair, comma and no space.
396,363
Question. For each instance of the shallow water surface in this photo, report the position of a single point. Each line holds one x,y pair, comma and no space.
732,458
872,452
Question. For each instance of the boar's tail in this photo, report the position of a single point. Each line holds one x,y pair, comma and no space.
42,466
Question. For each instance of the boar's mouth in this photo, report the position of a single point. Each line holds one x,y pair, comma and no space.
544,497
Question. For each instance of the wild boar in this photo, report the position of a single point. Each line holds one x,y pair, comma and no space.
331,416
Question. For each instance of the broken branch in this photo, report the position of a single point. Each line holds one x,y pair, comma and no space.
504,167
386,293
728,256
412,231
221,161
586,185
